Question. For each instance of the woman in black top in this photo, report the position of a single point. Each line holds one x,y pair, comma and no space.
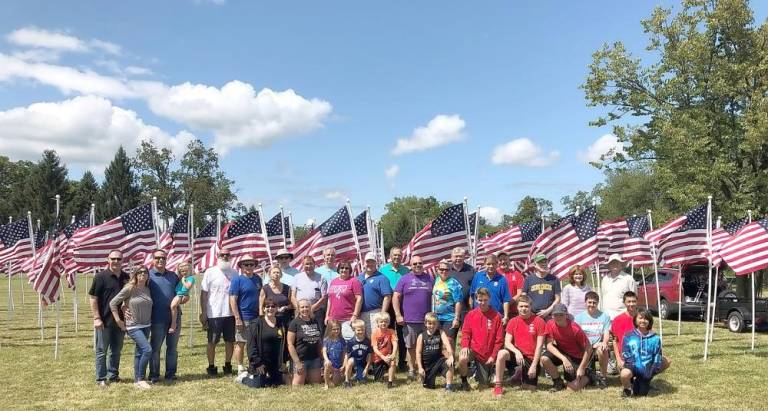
267,355
305,346
279,293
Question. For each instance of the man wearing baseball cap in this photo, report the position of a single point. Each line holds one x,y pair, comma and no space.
567,345
614,285
377,292
542,287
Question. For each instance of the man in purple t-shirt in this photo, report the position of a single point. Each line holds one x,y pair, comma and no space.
412,300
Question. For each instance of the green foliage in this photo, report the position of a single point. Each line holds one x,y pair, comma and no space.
404,216
38,195
12,178
119,192
83,194
530,208
697,111
579,202
300,231
156,179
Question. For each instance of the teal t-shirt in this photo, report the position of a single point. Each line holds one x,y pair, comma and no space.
445,295
594,327
180,289
392,274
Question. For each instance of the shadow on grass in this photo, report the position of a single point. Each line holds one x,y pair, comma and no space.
195,377
661,387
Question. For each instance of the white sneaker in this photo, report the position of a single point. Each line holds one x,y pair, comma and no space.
143,385
240,376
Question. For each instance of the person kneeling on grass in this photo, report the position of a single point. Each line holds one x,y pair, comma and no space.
333,354
358,359
522,347
567,345
641,352
187,281
384,341
434,354
481,340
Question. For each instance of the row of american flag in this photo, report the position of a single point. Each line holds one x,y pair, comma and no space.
577,239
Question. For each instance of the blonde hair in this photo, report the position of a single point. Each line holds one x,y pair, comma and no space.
430,317
381,316
357,323
183,265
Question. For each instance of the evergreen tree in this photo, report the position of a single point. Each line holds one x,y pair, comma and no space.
119,192
84,193
46,179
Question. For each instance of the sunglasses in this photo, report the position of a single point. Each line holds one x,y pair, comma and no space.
442,269
283,257
345,268
417,263
115,259
270,306
248,265
157,257
223,255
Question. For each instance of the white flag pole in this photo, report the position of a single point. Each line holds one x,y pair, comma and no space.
749,212
155,220
191,251
381,244
597,260
469,235
656,278
371,230
354,232
264,231
290,228
92,223
285,234
709,279
476,240
645,288
58,301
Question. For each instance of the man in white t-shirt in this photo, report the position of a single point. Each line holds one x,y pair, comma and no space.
614,285
215,312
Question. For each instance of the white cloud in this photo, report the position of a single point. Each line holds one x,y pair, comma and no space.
310,221
335,195
441,130
392,171
84,130
37,55
607,145
34,37
138,71
237,115
491,214
522,152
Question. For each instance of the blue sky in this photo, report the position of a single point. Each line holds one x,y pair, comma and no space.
457,81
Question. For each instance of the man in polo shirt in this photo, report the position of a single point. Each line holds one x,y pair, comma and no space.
106,285
393,271
496,285
328,270
464,274
162,289
377,292
615,285
284,258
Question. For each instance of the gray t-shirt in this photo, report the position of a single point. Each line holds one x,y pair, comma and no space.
311,289
139,303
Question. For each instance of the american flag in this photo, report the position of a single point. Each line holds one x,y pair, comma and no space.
721,235
569,241
687,242
436,240
361,229
240,237
175,242
48,268
624,236
515,241
275,234
288,231
204,240
27,263
16,241
747,251
67,248
336,232
133,233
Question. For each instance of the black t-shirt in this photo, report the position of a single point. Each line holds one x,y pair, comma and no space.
307,338
464,277
105,287
431,348
282,299
271,342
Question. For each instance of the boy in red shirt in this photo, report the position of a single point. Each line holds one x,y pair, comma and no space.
622,324
481,340
523,344
514,278
567,345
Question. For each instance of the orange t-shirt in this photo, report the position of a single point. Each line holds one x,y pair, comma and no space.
384,341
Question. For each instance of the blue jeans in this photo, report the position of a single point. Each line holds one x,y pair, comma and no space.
108,338
142,354
160,334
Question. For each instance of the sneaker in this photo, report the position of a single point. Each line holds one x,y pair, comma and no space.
171,379
557,385
227,369
390,384
212,370
143,385
114,380
411,376
465,386
498,391
602,383
347,384
240,376
449,388
102,384
626,393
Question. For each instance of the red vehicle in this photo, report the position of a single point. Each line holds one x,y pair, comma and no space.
694,291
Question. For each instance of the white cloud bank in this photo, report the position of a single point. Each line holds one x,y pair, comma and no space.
607,145
33,37
522,152
491,214
441,130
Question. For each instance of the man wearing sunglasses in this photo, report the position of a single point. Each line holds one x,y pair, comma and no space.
216,313
284,258
244,302
412,300
162,289
327,270
109,337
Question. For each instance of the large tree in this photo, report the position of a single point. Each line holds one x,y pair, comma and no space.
13,176
529,209
119,192
83,193
46,179
157,179
696,109
406,215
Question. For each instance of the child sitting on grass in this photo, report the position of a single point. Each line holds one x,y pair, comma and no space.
384,342
358,354
186,282
333,354
434,354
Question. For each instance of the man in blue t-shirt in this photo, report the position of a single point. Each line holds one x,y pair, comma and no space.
244,293
377,293
328,270
496,285
162,289
542,287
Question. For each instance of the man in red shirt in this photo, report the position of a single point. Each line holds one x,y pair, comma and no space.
567,345
514,280
522,347
622,324
481,340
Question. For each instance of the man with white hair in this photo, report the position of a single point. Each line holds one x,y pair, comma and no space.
327,270
614,285
215,311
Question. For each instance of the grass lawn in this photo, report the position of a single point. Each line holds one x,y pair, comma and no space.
734,376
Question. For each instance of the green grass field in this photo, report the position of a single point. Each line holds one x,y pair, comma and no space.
734,376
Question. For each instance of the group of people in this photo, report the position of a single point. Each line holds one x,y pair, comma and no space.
326,325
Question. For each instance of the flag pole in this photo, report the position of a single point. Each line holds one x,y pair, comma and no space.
92,223
709,279
752,275
381,243
371,230
679,298
10,291
58,301
290,227
282,228
264,231
354,232
155,220
469,235
597,261
645,288
476,242
656,278
191,251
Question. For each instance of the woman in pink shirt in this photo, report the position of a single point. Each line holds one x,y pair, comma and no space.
345,298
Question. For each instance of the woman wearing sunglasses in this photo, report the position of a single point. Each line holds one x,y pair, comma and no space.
267,349
136,295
